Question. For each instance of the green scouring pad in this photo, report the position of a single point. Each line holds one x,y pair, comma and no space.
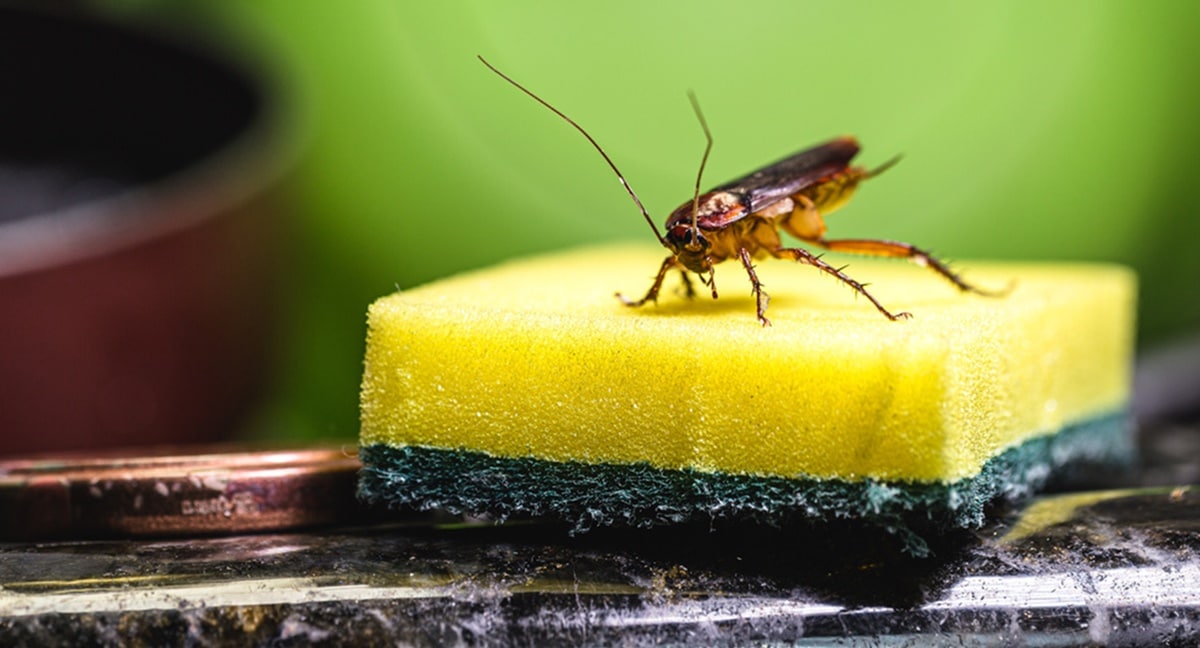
529,389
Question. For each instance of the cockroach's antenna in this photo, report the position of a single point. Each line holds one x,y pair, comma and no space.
703,161
579,128
884,167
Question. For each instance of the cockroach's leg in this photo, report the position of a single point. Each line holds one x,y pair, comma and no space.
688,288
760,296
652,294
804,256
897,249
712,281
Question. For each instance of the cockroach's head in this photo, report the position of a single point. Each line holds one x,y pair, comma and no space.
687,225
690,247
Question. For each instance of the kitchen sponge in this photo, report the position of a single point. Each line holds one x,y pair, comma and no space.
528,388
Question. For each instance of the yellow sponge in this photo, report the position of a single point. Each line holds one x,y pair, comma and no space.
537,361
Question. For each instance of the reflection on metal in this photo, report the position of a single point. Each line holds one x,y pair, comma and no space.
176,491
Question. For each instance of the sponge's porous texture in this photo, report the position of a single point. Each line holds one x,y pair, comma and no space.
528,388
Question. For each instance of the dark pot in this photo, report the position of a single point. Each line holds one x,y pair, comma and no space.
138,236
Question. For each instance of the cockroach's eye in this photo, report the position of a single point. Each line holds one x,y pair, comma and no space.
696,239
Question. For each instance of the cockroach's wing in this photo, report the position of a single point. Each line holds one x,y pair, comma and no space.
784,178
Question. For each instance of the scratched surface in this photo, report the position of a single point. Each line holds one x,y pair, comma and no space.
1108,566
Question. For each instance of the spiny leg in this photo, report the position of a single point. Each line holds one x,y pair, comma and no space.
899,250
652,294
761,297
804,256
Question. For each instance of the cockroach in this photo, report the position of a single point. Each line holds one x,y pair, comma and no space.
742,219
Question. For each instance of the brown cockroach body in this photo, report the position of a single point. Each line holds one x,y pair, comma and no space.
742,219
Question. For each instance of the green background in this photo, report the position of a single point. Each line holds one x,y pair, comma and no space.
1030,130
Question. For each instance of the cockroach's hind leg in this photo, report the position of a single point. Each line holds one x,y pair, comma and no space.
1003,292
761,298
898,249
987,292
804,256
652,294
927,260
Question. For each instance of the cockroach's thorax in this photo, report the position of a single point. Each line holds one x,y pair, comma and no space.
713,210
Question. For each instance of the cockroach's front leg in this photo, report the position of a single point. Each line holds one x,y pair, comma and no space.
652,294
897,249
804,256
760,296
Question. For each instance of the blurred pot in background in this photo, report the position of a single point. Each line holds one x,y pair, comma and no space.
139,243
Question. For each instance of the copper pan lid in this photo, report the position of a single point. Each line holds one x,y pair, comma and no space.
176,491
